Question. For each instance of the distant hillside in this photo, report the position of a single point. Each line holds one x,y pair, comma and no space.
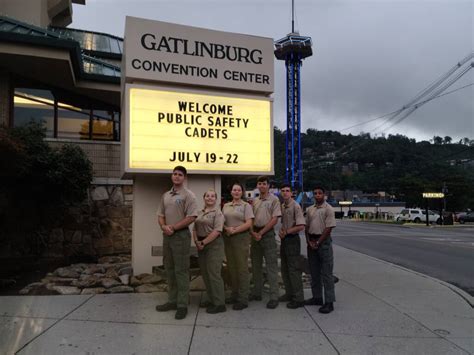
396,164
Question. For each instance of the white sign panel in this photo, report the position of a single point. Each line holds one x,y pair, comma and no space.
171,53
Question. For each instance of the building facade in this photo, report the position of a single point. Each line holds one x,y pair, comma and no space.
69,80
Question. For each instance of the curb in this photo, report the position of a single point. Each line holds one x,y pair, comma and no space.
463,294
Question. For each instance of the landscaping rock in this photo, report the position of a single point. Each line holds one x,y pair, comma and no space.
111,274
108,283
67,290
93,291
26,290
147,288
120,289
134,281
151,279
127,270
61,281
67,272
94,269
125,279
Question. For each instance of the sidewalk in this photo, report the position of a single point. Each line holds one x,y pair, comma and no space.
381,309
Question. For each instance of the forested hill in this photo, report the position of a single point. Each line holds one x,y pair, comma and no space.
395,164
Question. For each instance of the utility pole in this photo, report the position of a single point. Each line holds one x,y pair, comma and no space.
444,190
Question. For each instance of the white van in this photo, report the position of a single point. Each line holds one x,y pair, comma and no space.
417,215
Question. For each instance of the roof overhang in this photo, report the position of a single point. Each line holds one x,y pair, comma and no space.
57,62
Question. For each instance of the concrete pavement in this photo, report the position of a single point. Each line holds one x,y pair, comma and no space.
381,309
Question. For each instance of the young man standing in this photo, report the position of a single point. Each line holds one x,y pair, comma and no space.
266,209
177,210
320,220
292,222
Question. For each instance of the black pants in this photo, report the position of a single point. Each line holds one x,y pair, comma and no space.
321,263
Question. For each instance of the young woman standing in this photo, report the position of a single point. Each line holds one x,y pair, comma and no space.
238,217
207,237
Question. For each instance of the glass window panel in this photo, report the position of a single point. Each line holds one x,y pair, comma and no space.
6,26
103,127
103,115
72,124
100,43
31,105
114,46
103,130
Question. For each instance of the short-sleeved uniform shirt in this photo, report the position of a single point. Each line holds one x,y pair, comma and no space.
175,205
291,215
266,208
235,214
209,221
319,218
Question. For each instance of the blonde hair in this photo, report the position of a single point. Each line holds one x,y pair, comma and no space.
210,190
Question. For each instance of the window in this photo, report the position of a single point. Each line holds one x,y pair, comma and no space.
415,212
73,122
33,105
66,115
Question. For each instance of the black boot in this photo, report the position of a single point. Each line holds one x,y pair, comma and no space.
327,308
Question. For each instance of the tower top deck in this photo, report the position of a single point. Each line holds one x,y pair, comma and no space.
293,43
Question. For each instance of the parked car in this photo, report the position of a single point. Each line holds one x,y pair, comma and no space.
468,217
458,215
417,215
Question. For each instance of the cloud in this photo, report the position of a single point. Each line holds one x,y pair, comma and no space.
370,57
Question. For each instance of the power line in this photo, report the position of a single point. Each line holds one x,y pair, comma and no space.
437,92
403,108
414,104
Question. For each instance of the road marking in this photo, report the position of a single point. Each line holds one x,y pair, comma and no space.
444,239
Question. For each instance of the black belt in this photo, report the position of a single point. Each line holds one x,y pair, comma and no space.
202,238
292,235
314,236
257,229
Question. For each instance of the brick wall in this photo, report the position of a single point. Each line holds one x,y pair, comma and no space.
105,156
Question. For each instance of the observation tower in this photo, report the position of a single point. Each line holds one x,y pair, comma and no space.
293,49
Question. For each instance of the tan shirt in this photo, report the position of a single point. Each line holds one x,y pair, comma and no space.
292,215
209,221
235,214
177,205
319,218
266,208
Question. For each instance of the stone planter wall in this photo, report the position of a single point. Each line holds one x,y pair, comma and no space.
102,225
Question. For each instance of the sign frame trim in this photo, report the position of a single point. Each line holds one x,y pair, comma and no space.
127,171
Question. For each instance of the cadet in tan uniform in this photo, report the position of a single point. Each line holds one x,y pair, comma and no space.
292,222
176,211
238,218
266,209
320,220
207,231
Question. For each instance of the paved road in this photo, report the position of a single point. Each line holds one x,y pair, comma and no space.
444,253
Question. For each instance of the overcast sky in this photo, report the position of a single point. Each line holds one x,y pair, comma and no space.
369,57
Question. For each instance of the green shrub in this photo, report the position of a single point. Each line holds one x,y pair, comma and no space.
37,184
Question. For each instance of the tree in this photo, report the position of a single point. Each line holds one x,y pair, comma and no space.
437,140
37,184
447,140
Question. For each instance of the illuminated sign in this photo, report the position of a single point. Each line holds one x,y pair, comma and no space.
433,195
206,133
345,203
172,53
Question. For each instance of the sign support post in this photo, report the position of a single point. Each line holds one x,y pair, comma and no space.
194,97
